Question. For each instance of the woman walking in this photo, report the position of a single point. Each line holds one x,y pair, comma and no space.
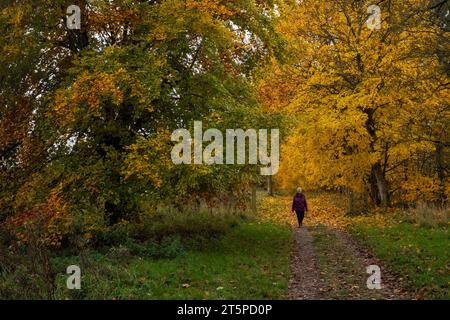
299,206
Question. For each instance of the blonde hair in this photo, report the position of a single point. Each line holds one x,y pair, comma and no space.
299,190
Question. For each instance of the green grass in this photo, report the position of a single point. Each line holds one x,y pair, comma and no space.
251,261
418,253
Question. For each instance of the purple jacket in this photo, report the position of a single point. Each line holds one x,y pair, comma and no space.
299,202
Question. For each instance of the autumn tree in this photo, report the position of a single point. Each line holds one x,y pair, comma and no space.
86,114
369,106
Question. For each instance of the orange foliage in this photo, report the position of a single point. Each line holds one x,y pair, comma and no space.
50,221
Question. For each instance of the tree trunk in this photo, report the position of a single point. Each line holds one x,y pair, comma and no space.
381,185
440,165
440,168
350,202
269,186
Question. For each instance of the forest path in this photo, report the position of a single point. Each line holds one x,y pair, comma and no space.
326,261
329,264
305,283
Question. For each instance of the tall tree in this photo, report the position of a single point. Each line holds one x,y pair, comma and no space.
366,101
83,109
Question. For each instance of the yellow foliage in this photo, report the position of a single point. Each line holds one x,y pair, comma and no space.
421,188
149,158
358,99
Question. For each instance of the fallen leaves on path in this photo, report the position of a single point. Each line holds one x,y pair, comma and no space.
327,209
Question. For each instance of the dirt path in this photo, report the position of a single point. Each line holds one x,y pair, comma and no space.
305,283
330,264
391,287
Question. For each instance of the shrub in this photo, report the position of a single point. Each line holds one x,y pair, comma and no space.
115,235
187,224
171,247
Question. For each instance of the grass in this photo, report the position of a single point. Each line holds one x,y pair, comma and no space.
251,261
414,251
428,216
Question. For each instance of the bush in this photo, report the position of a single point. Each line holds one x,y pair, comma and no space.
188,224
170,247
115,235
